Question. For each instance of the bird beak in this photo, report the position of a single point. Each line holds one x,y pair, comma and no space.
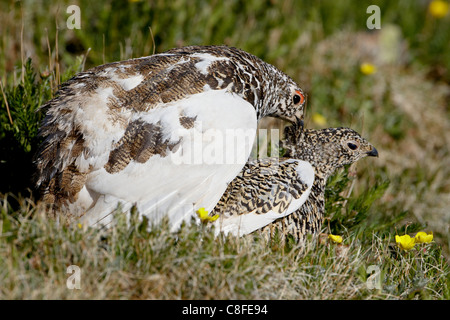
296,119
299,123
372,153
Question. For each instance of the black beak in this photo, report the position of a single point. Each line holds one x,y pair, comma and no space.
299,123
373,152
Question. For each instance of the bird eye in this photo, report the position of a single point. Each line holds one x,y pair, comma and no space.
352,146
298,97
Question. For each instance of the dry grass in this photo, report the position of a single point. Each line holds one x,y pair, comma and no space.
128,262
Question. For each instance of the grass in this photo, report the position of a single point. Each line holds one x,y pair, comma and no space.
129,262
402,109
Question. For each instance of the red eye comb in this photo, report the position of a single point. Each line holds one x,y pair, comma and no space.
302,97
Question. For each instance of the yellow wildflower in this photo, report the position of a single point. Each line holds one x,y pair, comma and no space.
334,238
319,119
79,225
423,237
438,8
405,242
367,68
205,217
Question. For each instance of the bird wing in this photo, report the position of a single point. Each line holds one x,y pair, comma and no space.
265,190
115,134
172,161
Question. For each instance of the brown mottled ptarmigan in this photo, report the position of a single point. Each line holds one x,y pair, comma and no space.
165,133
288,193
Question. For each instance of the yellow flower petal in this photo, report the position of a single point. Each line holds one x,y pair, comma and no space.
367,68
423,237
205,217
335,238
213,218
438,8
202,213
319,119
79,225
405,242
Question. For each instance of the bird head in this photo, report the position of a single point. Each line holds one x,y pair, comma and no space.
292,107
289,105
329,148
281,96
350,146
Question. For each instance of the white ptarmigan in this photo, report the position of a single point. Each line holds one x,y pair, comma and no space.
166,133
288,193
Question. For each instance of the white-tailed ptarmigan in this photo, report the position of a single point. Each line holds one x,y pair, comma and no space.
288,193
166,133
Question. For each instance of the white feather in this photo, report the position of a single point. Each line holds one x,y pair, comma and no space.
190,176
206,61
128,83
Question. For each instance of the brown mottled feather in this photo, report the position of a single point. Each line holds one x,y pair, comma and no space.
263,185
140,141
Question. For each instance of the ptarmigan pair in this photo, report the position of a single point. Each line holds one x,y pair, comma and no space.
170,134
